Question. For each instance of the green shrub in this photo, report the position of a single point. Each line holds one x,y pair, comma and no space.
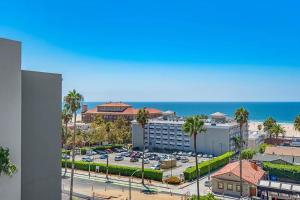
283,171
204,167
68,152
248,153
262,148
173,180
209,196
116,169
107,147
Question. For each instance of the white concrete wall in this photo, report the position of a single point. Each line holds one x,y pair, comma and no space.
10,114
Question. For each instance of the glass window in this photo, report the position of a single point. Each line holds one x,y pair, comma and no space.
220,185
229,187
238,188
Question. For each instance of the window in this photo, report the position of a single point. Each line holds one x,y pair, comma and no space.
229,186
238,188
220,185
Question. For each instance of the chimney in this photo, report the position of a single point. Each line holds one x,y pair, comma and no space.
84,108
254,166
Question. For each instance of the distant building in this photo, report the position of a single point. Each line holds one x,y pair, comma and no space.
255,139
277,159
113,110
167,135
227,180
283,151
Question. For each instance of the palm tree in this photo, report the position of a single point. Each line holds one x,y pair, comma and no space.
193,126
277,130
107,130
142,118
297,123
241,116
73,102
268,124
66,118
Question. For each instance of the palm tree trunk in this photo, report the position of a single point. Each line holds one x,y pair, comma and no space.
241,148
143,154
197,168
63,145
73,158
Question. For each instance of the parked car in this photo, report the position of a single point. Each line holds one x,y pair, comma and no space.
179,153
174,153
65,156
134,159
101,152
152,158
190,154
109,151
91,153
87,159
193,154
184,159
119,158
200,155
125,154
205,156
210,156
147,161
103,156
178,157
156,167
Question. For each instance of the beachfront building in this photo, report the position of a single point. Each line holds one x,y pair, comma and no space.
255,139
165,134
111,111
30,121
226,181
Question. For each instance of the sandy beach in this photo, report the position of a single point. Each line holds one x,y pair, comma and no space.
289,128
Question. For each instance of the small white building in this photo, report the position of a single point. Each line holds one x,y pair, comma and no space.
255,139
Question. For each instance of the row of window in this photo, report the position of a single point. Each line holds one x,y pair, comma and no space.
230,186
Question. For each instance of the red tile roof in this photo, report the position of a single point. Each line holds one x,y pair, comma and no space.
115,104
251,172
127,111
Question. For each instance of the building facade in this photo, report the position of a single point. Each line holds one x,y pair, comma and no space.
111,111
30,104
167,135
226,181
255,139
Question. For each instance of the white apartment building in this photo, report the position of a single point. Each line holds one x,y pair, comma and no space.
255,139
167,135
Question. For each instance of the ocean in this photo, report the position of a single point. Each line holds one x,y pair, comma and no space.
284,112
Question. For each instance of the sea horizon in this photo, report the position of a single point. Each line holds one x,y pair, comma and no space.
283,112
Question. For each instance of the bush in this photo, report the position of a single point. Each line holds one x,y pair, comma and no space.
68,152
262,148
173,180
248,153
204,167
115,169
209,196
283,171
101,148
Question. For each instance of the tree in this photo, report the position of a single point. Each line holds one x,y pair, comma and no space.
241,116
73,103
142,118
268,124
194,125
259,127
297,123
66,117
277,130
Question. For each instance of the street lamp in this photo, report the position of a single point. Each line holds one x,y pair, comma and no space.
130,178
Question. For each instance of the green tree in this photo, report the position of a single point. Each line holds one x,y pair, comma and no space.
297,123
241,116
248,153
268,124
193,126
277,130
142,118
73,103
66,117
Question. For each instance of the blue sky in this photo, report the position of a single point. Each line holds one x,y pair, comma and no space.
162,50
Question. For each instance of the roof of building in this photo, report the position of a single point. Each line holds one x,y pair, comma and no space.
283,150
270,158
251,172
217,115
127,111
280,186
115,104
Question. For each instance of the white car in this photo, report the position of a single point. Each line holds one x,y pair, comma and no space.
119,158
156,167
87,159
184,159
146,161
207,183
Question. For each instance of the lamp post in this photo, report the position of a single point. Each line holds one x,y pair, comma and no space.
130,178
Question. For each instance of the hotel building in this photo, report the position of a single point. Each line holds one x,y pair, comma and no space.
111,111
167,135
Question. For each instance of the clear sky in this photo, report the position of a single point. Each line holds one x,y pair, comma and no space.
162,50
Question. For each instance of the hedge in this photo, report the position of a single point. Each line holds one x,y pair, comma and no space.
283,171
68,152
213,164
116,169
83,150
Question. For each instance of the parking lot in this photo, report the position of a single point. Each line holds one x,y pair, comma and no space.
125,161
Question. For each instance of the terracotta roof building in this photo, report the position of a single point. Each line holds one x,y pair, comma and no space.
113,110
226,180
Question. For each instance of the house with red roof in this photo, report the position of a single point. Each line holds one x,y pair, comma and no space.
227,180
111,111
